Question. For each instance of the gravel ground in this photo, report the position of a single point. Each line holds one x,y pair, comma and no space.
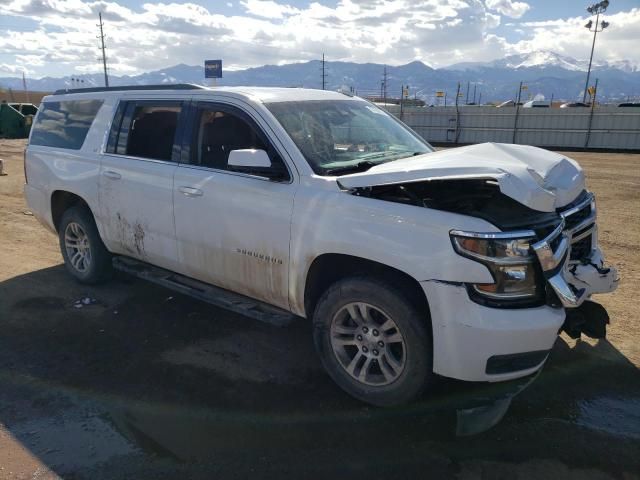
145,383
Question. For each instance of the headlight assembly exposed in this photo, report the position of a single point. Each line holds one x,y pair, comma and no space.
509,258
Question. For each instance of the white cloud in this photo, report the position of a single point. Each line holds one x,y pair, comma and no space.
508,8
569,37
13,70
157,35
268,8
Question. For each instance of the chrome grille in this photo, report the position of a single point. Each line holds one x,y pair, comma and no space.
580,224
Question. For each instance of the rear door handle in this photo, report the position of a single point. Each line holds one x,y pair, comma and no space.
112,175
190,191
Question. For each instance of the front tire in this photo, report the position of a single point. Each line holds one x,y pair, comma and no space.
373,341
85,256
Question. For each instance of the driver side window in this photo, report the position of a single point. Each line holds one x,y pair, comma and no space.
221,132
218,131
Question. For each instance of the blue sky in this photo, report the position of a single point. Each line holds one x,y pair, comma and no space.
57,37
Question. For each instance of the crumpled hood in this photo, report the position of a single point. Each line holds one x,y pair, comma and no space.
540,179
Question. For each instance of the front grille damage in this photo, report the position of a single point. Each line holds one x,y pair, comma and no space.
483,199
571,267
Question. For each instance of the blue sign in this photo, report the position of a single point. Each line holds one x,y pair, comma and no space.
213,69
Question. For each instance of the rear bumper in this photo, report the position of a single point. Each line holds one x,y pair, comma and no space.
467,335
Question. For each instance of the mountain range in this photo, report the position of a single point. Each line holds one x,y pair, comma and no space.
545,73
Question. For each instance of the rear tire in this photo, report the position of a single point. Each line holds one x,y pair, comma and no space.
373,341
85,256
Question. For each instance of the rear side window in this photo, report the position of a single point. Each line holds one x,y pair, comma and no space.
64,124
145,129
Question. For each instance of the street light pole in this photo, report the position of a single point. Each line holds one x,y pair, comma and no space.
597,8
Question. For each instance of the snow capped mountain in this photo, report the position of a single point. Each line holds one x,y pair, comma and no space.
545,73
545,59
624,65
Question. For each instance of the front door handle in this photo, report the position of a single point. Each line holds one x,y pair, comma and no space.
190,191
112,175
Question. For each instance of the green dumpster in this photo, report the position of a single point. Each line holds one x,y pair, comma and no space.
16,119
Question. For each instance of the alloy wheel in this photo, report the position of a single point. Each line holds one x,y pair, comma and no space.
368,344
76,243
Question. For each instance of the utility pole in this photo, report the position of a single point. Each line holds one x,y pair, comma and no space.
24,87
515,122
104,56
324,75
457,129
593,105
474,92
384,84
597,8
467,100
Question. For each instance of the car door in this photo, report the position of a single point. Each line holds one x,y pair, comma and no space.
136,181
233,228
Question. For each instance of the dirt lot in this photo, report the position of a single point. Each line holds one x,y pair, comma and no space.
145,383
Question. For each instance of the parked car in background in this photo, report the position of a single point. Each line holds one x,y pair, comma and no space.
283,203
629,104
537,104
574,105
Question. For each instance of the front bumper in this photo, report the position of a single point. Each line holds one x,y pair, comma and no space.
466,335
481,343
478,343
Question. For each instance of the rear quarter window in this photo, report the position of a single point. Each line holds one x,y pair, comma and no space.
64,124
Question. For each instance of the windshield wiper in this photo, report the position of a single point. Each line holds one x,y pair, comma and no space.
365,165
358,167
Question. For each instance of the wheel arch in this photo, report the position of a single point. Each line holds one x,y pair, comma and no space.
61,201
329,268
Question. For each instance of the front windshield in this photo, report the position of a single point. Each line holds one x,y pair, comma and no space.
345,136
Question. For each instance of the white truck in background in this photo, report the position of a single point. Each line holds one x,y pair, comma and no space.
284,203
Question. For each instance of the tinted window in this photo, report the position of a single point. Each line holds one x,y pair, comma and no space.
146,130
64,124
219,130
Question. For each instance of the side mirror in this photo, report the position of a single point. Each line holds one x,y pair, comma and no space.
248,160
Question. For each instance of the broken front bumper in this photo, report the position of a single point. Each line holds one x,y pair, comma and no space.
574,281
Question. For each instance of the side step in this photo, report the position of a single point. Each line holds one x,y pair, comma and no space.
203,291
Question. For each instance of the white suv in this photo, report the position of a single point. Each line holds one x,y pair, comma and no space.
284,203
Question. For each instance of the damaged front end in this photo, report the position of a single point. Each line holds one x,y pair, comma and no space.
537,258
574,268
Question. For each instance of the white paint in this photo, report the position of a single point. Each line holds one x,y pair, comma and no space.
260,237
248,158
537,178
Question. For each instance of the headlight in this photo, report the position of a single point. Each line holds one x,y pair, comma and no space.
509,258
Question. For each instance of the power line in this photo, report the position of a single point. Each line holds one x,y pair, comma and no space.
104,55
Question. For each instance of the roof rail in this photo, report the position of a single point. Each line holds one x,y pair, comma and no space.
171,86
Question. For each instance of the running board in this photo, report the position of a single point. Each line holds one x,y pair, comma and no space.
203,291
